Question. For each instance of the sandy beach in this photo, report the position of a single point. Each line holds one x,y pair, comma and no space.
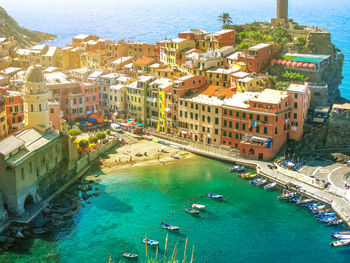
153,153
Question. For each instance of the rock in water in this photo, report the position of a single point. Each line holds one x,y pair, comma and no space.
19,234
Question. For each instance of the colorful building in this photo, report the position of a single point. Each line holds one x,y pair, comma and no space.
3,118
257,57
14,110
173,48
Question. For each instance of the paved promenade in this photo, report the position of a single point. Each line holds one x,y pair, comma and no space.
332,195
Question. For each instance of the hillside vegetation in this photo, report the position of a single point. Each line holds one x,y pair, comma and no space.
24,37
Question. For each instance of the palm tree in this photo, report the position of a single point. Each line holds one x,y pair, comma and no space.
225,19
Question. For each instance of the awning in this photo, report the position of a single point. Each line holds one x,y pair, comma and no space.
184,131
167,109
259,139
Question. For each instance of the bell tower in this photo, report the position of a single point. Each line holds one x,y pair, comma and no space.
35,100
282,9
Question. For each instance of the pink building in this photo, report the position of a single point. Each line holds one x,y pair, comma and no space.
299,96
56,114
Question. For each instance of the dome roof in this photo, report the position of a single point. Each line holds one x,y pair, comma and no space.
34,74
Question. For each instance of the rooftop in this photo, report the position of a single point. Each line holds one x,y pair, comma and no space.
196,32
121,60
10,70
239,99
222,31
297,88
58,78
270,96
222,70
176,40
95,74
144,61
10,144
162,83
345,106
145,78
117,87
260,46
80,36
240,74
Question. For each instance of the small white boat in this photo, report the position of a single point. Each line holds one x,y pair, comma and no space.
198,206
236,168
341,236
170,227
150,242
270,186
261,182
130,255
339,243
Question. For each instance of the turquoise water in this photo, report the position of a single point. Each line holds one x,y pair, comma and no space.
250,226
151,21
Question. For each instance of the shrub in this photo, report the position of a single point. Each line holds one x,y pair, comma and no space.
100,135
108,131
93,139
84,143
74,132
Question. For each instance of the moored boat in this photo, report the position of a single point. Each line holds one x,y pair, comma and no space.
130,255
317,211
198,206
192,211
150,242
295,199
170,227
255,180
304,201
270,186
261,182
339,243
243,174
214,196
236,168
286,195
175,156
341,236
335,222
341,233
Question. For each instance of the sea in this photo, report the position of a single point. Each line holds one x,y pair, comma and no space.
248,225
153,20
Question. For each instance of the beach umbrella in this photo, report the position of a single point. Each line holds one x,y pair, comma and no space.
312,65
92,120
284,62
279,61
273,61
79,119
294,64
74,122
89,124
84,125
78,124
300,64
75,127
289,63
306,65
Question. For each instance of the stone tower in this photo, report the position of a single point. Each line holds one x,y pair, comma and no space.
35,100
282,10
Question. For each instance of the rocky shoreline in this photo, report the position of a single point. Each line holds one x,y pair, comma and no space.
59,213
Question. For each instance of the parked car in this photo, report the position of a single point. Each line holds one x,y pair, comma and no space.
116,127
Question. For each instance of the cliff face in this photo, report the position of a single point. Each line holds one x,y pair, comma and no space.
24,37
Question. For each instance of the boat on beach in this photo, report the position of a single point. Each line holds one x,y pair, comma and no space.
340,243
130,255
174,156
249,176
270,186
286,195
150,242
192,211
170,227
214,196
236,168
198,206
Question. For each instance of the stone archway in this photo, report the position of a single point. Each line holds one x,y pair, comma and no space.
28,202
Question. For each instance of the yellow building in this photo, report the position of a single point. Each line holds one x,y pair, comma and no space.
35,100
219,76
142,65
173,48
95,59
70,57
251,83
168,73
3,119
45,56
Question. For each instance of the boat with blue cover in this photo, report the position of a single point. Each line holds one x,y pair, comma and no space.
255,180
341,235
236,168
335,222
170,227
150,242
192,211
304,201
295,199
312,205
261,182
214,196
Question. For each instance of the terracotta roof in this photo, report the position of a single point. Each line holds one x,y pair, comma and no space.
144,61
215,91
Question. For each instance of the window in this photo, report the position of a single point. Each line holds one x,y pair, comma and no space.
39,107
225,112
87,99
208,130
237,125
52,111
216,110
203,118
203,129
216,131
296,95
258,117
185,103
74,101
185,114
203,108
224,133
295,115
80,100
243,127
265,118
216,120
236,136
191,114
276,130
191,105
257,129
208,119
230,124
225,123
180,102
230,134
208,109
265,130
295,105
244,115
196,106
180,113
237,113
230,112
196,116
250,116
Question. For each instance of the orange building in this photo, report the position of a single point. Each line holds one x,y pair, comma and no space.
55,114
14,109
257,124
257,58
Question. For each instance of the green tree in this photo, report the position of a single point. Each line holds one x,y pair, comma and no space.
74,132
93,139
280,35
300,43
224,19
83,144
108,131
100,135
